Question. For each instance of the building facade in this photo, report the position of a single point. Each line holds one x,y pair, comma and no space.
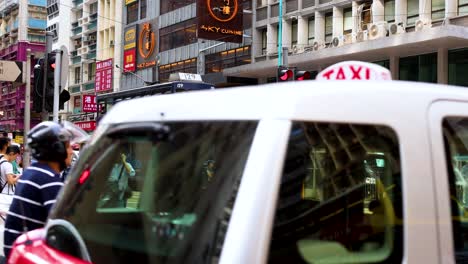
418,40
22,27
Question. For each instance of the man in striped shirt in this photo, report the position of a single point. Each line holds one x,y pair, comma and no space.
40,183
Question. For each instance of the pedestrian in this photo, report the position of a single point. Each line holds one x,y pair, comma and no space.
12,153
37,188
7,176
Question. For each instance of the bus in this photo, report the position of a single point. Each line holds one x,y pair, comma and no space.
106,101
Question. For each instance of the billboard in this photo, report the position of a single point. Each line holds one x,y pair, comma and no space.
89,103
104,75
220,20
130,40
147,44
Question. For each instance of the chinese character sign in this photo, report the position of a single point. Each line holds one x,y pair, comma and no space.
86,125
89,103
104,75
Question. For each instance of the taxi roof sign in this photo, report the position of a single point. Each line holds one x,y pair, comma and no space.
354,70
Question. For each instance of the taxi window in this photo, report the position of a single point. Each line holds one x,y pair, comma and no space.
161,201
340,197
456,147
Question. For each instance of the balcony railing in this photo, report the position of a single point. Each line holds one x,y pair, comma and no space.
74,89
93,17
91,55
92,25
89,86
92,47
77,30
76,59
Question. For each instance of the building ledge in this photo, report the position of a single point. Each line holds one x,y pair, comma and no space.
401,45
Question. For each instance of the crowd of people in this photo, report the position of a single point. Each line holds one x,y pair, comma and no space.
28,195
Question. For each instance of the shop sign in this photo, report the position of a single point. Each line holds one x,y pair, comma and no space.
127,2
220,20
104,75
147,44
130,60
86,125
130,40
89,103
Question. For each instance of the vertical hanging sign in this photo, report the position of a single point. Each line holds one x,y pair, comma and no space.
129,54
104,75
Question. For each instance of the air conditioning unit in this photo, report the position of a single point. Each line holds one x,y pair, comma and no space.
421,24
378,30
361,36
395,28
111,43
297,49
341,40
317,45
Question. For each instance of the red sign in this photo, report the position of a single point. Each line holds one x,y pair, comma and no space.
89,103
355,70
86,125
130,60
104,75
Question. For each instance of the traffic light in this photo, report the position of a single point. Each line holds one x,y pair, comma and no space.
301,75
50,72
38,86
284,74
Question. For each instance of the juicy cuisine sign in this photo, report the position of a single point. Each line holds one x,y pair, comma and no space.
220,20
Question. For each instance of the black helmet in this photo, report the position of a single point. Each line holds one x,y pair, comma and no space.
47,142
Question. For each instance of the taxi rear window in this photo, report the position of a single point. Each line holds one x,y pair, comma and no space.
340,197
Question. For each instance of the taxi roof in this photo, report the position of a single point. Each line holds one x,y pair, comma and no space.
359,101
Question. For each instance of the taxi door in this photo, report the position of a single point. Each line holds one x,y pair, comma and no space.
448,127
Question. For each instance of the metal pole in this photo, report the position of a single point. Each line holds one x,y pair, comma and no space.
49,40
280,33
27,107
57,73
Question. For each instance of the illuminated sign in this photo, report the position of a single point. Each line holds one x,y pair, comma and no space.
147,44
220,20
127,2
86,125
354,70
130,38
130,60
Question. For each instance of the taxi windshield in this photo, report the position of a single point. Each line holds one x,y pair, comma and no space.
158,201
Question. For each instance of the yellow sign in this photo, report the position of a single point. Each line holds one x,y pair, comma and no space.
130,38
127,2
19,139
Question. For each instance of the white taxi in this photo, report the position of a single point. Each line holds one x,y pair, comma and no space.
303,172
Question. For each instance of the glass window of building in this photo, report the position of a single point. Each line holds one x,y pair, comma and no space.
340,198
311,29
421,68
366,15
438,9
462,7
347,20
383,63
264,41
178,35
188,66
454,132
77,76
132,12
171,5
458,67
143,9
216,62
413,11
328,27
389,10
294,32
91,71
